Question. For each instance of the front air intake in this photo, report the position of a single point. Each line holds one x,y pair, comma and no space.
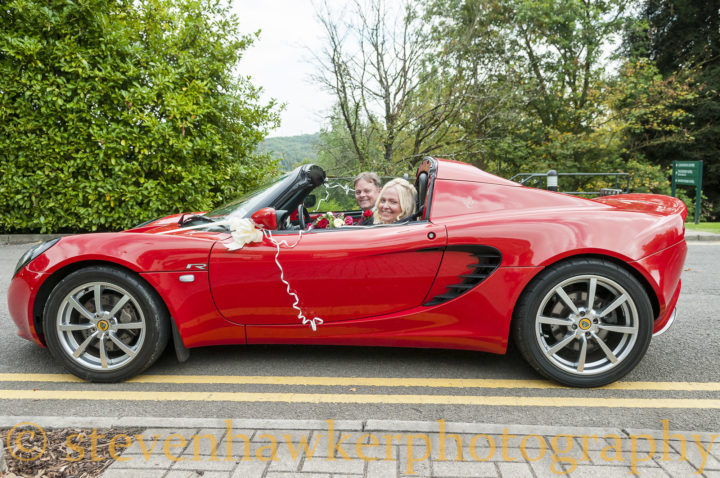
484,261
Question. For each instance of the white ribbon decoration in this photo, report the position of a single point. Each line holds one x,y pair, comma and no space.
244,231
328,187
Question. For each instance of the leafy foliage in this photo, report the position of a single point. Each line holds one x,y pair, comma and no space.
554,98
683,40
547,74
539,90
390,110
117,111
292,150
337,153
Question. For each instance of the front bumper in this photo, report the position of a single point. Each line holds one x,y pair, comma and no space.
21,297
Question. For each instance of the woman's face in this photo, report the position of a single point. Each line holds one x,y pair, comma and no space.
389,206
365,194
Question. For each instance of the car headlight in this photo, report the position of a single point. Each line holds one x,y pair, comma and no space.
32,253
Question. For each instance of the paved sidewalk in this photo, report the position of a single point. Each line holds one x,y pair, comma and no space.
242,448
691,235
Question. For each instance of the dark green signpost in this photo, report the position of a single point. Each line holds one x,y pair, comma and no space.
689,173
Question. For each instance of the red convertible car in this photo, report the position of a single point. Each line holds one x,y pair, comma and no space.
580,285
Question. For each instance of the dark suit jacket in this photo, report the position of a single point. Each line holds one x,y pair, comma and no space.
367,221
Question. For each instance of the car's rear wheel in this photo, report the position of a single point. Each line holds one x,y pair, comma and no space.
584,323
105,324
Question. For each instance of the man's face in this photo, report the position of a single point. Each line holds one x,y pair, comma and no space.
366,193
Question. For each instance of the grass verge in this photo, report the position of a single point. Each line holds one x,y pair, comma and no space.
704,226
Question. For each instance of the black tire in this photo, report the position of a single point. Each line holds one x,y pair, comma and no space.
123,338
614,333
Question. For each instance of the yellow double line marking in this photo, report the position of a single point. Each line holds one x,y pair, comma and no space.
365,381
359,398
506,401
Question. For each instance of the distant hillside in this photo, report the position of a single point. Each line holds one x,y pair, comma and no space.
292,150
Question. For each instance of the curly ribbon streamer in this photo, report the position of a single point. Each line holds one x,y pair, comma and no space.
315,321
328,187
245,231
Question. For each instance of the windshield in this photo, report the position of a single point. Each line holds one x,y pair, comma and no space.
250,201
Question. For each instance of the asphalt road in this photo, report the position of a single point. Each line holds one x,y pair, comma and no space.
302,376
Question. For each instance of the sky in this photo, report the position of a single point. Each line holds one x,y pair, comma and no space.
281,60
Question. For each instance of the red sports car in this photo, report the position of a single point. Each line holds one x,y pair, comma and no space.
581,285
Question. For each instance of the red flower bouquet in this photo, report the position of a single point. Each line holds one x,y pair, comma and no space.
329,220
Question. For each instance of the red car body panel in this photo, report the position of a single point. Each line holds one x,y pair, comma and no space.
138,252
376,272
374,286
662,271
479,320
191,306
135,251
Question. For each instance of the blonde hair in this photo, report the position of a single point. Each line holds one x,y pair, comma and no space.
407,195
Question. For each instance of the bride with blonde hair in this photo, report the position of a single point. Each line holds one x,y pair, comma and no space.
395,203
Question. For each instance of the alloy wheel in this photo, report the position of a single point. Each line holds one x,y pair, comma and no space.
100,326
587,324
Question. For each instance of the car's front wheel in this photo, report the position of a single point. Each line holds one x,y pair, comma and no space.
104,324
584,323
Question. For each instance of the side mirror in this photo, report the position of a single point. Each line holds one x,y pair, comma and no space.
265,217
310,201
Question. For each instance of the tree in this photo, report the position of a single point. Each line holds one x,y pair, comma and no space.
471,50
338,153
116,111
549,65
683,40
555,97
373,65
292,151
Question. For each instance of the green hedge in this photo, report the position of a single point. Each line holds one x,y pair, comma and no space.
114,112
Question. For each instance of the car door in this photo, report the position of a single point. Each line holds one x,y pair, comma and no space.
338,274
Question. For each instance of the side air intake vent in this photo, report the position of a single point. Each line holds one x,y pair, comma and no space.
482,261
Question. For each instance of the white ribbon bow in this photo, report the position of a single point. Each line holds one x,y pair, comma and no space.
243,231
